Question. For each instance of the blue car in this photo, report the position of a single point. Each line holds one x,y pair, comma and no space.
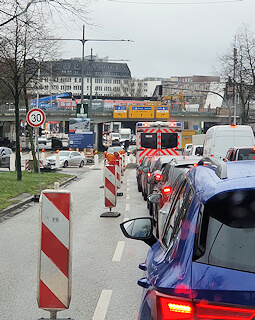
203,266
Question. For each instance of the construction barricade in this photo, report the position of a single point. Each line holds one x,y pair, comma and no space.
55,251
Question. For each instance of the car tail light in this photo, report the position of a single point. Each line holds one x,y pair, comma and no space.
141,172
194,164
176,309
166,190
148,175
173,308
158,176
253,149
233,126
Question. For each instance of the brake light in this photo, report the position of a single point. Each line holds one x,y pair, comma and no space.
212,155
158,176
146,124
148,175
173,308
208,311
141,172
233,126
166,190
253,149
194,164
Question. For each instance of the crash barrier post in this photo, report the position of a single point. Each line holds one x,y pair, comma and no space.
12,162
43,157
96,163
55,251
57,159
110,191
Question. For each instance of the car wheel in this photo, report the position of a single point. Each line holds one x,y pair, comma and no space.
65,164
144,196
139,187
81,164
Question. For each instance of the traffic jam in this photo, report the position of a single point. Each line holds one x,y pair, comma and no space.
200,223
191,210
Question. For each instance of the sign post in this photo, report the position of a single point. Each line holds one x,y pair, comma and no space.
36,118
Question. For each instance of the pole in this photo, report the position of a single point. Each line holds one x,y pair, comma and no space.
38,155
90,96
82,65
234,91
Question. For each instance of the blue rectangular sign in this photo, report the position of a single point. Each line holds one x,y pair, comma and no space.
81,139
141,108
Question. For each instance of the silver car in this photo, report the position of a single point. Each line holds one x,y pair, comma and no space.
67,158
5,154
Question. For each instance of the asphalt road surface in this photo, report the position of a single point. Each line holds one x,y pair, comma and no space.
104,263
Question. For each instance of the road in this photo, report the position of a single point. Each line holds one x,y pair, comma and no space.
105,263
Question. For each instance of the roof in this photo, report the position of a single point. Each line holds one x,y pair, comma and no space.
240,176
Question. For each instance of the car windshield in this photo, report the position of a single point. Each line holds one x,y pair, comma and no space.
246,154
114,149
64,153
228,231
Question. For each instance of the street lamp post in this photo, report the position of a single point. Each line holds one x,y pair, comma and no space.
83,41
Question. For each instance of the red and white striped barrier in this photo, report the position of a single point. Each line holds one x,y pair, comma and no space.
54,265
110,187
118,171
27,164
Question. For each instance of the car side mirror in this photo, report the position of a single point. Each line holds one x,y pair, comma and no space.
146,170
154,198
139,229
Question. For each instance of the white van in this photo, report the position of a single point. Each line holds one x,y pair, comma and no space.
218,139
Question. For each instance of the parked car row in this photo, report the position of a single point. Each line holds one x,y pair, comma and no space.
199,228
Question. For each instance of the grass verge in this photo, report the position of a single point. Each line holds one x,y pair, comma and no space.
10,188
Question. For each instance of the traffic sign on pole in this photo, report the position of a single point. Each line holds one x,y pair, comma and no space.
35,117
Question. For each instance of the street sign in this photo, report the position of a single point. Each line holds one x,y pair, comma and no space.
141,111
162,111
120,111
35,117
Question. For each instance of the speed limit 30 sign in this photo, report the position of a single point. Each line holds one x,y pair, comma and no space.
35,117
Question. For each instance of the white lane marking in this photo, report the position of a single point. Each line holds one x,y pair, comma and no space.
128,189
128,184
127,207
102,305
118,251
128,197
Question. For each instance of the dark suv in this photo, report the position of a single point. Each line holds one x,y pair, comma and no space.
203,266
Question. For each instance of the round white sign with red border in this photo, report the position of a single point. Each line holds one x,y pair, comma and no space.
35,117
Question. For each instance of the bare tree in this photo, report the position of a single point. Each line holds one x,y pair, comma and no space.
238,70
47,8
18,45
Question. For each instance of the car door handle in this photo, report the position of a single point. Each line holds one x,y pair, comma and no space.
144,282
143,266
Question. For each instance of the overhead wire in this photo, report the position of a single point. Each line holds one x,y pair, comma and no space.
178,3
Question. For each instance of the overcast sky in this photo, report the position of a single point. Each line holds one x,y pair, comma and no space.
171,37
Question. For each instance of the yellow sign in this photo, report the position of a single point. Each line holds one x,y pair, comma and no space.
162,111
120,111
141,111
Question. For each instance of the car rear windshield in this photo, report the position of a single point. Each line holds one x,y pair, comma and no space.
227,231
149,140
169,140
246,154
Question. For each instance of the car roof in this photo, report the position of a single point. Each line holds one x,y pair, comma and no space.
244,147
240,176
